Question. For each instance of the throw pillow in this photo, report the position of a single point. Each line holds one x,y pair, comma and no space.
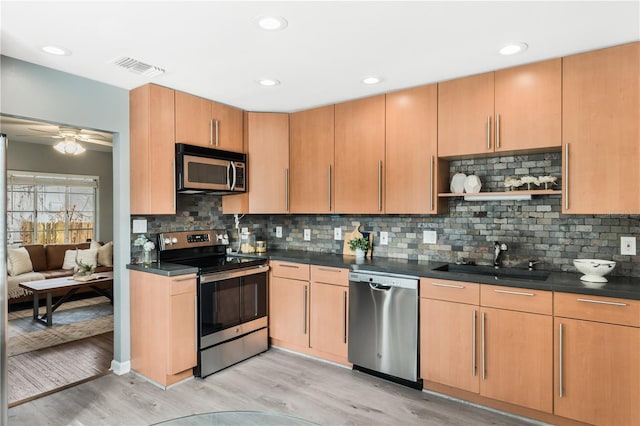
105,254
95,245
88,256
18,261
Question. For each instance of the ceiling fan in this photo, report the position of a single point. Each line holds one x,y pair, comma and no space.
69,138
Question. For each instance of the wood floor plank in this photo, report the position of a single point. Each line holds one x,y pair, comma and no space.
276,381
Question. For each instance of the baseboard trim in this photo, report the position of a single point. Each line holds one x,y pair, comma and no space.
120,368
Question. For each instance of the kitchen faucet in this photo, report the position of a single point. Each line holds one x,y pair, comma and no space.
498,248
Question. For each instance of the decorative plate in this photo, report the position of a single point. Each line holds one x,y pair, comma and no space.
457,183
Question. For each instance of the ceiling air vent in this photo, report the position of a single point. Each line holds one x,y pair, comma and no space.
138,67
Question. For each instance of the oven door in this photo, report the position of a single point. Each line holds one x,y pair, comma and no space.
231,304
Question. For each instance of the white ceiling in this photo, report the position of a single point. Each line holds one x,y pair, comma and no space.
215,49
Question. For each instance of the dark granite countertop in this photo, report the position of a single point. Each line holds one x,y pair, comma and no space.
567,282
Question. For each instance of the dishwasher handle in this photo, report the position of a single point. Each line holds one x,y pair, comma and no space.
379,287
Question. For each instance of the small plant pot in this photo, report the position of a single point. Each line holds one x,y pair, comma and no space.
360,253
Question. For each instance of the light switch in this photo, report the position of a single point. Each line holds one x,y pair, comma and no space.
628,246
337,233
278,231
307,234
384,238
429,237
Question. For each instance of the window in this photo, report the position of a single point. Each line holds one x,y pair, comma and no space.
51,208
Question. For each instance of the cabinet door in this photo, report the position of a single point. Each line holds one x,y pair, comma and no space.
359,155
448,341
182,354
601,131
152,150
597,375
412,151
465,111
229,121
268,148
288,311
312,156
328,318
517,361
528,106
193,120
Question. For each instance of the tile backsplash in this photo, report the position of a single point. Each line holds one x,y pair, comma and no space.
533,230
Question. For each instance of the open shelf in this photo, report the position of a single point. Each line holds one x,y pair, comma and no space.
504,195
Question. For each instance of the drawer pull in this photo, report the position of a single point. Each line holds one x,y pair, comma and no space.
177,280
602,302
329,270
517,293
289,266
447,285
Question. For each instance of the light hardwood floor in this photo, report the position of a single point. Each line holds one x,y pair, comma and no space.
276,381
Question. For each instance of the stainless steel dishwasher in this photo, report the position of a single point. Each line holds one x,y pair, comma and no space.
383,325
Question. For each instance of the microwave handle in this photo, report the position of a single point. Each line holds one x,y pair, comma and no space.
232,168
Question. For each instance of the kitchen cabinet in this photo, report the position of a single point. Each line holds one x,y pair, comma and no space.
311,150
597,373
151,150
491,340
359,155
508,110
412,172
329,312
267,137
449,333
163,326
207,123
289,305
601,131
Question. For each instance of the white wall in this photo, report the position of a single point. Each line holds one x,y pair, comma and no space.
35,92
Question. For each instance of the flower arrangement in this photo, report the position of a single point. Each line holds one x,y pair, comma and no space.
546,180
528,180
512,183
143,242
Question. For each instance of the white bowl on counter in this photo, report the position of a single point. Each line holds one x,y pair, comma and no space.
594,270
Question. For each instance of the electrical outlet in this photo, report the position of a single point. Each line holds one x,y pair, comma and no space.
244,230
429,237
337,233
278,231
628,246
307,234
384,238
139,226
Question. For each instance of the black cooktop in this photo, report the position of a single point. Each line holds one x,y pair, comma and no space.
211,264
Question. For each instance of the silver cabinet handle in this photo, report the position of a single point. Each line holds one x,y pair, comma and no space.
602,302
344,317
210,132
329,201
560,361
329,270
217,123
255,300
379,185
286,189
190,277
482,335
195,322
488,132
516,293
284,265
304,307
566,176
447,285
431,183
474,369
497,131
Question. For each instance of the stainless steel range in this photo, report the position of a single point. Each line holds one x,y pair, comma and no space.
232,297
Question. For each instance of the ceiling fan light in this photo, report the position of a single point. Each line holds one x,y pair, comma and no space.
69,146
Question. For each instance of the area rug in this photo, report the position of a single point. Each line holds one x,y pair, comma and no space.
72,321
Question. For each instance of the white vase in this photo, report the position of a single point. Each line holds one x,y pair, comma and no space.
360,253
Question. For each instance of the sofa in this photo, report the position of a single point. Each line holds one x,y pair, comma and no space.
32,262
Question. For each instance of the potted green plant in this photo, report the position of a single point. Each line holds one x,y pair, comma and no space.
360,245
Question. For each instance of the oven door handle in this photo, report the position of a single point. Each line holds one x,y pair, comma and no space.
242,272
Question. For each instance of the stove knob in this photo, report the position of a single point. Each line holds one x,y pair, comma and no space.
174,240
167,241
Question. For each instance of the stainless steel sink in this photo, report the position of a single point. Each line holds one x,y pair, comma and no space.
506,273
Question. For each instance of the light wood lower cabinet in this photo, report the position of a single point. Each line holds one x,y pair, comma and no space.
309,317
597,371
163,326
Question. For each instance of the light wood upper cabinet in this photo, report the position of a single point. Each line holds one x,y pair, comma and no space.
152,152
411,172
163,326
513,109
311,150
601,131
359,155
597,373
206,123
267,141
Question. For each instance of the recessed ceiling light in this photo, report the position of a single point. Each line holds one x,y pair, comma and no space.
56,50
371,80
268,82
513,48
271,23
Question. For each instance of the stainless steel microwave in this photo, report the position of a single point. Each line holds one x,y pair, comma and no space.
208,170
